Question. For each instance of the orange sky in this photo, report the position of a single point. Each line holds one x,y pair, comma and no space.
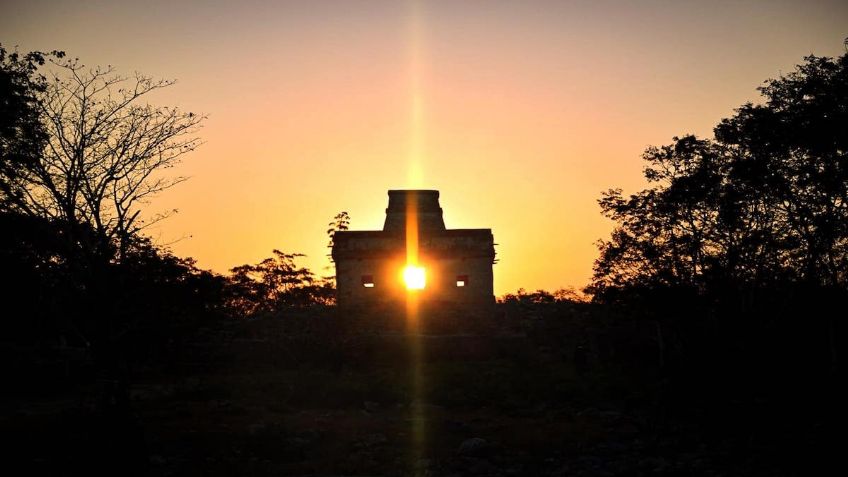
520,113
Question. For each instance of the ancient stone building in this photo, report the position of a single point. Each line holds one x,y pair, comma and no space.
452,266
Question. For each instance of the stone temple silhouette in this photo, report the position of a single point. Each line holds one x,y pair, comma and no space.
457,263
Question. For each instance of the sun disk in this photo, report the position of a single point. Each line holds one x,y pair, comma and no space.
413,277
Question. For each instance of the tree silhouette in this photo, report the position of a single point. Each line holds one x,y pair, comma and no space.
22,134
739,245
81,155
277,283
764,202
104,156
793,150
340,222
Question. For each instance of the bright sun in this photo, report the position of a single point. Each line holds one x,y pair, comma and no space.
413,277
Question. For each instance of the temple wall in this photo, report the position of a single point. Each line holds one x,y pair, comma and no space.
446,255
441,279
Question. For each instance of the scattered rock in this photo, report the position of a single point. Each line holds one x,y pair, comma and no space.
223,404
480,467
371,440
609,415
474,447
589,412
456,427
297,442
256,428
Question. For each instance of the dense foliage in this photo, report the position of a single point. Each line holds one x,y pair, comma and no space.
738,249
762,204
22,133
275,284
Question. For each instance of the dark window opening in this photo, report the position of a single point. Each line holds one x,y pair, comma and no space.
368,281
461,280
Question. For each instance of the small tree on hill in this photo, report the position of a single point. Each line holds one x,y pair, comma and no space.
340,223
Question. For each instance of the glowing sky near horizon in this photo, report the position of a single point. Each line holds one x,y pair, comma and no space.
520,113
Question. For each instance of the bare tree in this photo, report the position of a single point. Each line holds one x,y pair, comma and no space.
106,153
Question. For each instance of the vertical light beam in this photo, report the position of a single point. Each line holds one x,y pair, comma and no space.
415,159
413,332
415,177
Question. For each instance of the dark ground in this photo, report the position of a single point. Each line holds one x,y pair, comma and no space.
511,393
